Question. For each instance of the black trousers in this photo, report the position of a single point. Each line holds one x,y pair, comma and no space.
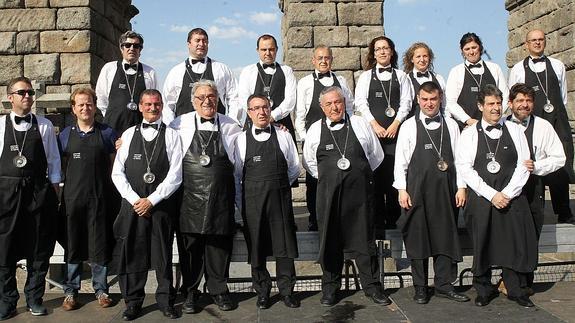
310,196
386,196
442,267
34,287
133,286
285,277
558,183
515,282
332,266
209,256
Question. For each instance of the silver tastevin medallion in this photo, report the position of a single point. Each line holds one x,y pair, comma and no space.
390,112
149,177
132,106
493,166
204,160
343,163
548,107
271,102
442,165
20,161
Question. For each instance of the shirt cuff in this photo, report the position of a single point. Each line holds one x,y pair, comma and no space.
132,197
154,198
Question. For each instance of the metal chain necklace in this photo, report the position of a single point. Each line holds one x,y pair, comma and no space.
149,177
389,110
342,163
20,160
204,158
442,165
473,76
131,105
493,166
548,107
267,88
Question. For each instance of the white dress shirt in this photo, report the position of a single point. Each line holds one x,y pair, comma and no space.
423,79
223,77
455,84
173,178
49,142
305,95
106,77
365,135
185,125
407,140
247,86
362,93
548,149
467,150
287,146
517,74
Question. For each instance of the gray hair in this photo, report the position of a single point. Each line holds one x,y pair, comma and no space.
131,34
208,83
331,89
322,46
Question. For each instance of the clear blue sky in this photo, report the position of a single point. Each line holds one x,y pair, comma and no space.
234,25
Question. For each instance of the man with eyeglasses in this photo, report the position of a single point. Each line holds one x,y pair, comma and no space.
272,80
206,222
121,82
198,66
547,76
308,110
266,163
29,178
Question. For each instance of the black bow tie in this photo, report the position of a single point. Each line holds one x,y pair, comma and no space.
426,74
495,126
437,118
537,60
335,123
387,69
322,75
131,66
202,120
478,65
26,118
521,122
194,61
266,129
272,65
148,125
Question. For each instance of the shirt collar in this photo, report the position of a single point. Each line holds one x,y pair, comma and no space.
159,121
422,115
467,63
484,123
379,66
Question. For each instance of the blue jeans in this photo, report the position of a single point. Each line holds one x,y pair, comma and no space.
99,279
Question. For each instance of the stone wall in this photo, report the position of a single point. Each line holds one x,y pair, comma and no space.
557,19
346,25
63,43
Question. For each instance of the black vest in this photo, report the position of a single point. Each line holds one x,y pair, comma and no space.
184,103
315,112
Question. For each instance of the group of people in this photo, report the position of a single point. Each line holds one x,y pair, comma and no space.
180,161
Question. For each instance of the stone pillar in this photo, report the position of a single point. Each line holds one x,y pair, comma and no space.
557,19
345,25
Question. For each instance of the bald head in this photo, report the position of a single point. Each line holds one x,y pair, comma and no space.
535,42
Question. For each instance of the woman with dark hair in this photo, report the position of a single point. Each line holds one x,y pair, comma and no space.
466,80
383,97
418,65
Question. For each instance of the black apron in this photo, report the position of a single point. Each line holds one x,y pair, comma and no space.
184,103
87,178
468,96
347,194
134,233
505,237
558,117
378,103
415,104
208,192
28,202
429,227
314,113
271,229
118,116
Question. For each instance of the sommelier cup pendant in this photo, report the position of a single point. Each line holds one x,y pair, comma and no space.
149,177
390,112
204,160
132,106
442,165
343,163
493,166
20,161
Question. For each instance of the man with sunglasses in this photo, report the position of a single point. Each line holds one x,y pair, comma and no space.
121,82
29,178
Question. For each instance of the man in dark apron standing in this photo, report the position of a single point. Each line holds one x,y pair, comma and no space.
88,153
342,152
147,171
430,194
490,158
206,222
28,198
266,163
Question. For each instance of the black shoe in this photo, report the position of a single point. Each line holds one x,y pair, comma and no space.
170,312
328,300
9,314
521,300
421,296
224,302
291,301
131,313
37,309
452,295
379,297
485,300
263,302
569,220
190,305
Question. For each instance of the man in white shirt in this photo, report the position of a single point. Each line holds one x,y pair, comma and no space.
547,76
198,66
121,82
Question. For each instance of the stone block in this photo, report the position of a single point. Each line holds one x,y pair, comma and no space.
115,15
43,67
542,7
27,19
299,59
77,86
27,42
57,89
65,41
4,4
566,16
97,5
363,55
74,18
299,37
568,58
11,67
334,36
37,3
102,26
515,38
362,35
346,58
312,14
348,75
361,13
300,74
8,43
518,17
76,68
515,55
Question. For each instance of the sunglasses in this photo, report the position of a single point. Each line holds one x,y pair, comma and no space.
24,92
130,45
